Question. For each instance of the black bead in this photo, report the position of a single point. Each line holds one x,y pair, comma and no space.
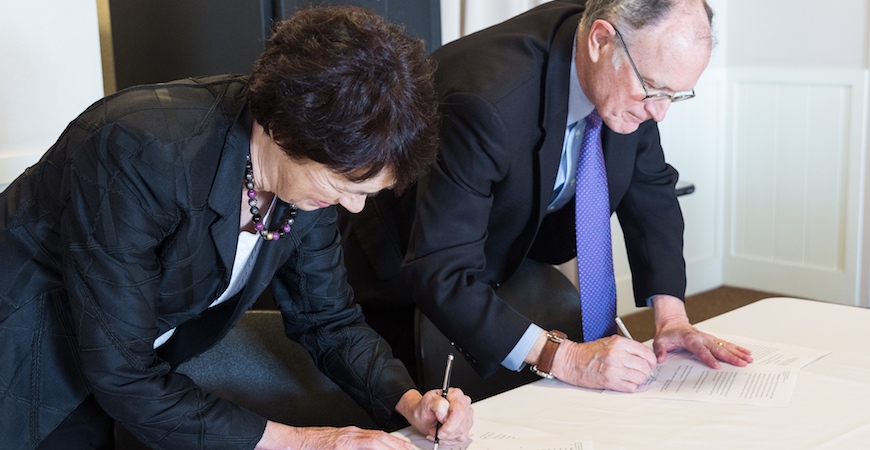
255,211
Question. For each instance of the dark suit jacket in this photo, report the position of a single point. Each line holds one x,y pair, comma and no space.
503,94
127,228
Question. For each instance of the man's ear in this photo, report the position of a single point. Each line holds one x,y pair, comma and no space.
600,39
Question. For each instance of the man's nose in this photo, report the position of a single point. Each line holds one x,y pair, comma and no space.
657,109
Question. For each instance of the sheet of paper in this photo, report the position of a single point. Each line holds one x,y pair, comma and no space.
486,435
769,380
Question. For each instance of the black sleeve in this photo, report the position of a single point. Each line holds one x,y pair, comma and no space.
317,305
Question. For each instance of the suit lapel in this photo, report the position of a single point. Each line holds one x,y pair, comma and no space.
225,197
213,324
555,111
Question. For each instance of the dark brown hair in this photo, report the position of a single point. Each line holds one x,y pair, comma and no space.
345,88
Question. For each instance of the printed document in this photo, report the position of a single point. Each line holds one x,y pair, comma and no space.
486,435
769,380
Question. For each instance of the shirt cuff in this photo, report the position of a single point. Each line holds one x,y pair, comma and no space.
515,360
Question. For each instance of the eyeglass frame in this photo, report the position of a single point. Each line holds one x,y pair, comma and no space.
677,97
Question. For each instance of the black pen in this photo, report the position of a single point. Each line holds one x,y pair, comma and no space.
444,388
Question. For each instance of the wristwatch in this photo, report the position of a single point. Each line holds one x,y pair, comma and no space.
544,367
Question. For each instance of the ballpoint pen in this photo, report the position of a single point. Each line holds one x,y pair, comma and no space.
652,375
444,388
623,329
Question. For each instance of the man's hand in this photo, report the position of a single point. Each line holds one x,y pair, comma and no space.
614,363
425,412
673,331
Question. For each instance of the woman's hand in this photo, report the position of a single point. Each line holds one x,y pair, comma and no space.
278,436
424,412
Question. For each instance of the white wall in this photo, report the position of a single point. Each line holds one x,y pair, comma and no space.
50,72
463,17
794,170
796,160
798,33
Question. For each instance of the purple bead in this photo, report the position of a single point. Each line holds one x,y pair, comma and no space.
276,236
259,226
286,228
252,193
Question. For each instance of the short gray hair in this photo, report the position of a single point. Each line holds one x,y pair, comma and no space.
631,15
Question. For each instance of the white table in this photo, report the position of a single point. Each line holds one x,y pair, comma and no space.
830,408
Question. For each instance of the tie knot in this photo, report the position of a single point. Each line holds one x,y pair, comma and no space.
593,120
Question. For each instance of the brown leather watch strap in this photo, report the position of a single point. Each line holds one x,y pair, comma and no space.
544,367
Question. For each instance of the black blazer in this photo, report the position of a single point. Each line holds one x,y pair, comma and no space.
503,94
126,228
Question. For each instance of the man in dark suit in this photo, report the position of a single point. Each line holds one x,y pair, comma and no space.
492,203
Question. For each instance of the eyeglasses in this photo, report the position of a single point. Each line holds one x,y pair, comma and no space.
677,97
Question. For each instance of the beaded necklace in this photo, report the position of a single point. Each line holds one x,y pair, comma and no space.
289,216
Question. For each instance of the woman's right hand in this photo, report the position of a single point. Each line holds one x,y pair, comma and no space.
278,436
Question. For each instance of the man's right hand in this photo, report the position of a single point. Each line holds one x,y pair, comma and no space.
614,363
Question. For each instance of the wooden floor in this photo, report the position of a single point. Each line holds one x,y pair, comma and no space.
699,307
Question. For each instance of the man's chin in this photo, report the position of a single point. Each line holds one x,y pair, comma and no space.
624,127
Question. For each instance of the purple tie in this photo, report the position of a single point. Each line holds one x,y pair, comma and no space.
594,252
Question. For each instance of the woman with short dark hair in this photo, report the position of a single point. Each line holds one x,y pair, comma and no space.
164,211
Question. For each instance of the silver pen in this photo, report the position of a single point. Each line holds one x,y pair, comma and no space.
622,327
444,388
